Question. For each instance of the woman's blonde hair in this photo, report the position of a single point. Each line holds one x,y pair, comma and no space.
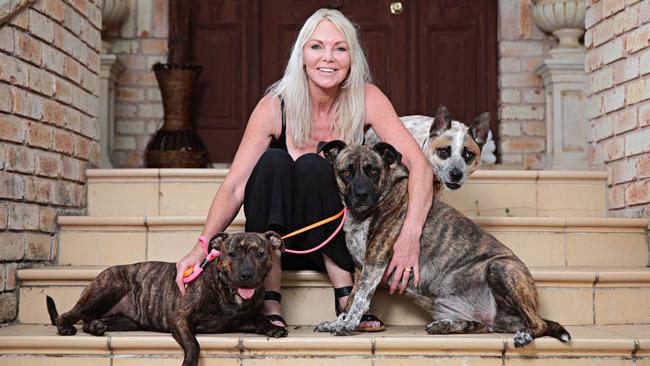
350,103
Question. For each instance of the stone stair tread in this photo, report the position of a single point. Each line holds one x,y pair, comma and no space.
601,340
100,174
593,223
542,275
114,192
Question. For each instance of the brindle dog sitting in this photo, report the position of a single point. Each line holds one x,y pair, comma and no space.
469,281
226,297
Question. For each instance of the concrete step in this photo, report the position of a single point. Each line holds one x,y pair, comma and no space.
38,345
572,296
169,192
538,241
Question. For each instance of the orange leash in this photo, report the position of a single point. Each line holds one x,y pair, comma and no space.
317,224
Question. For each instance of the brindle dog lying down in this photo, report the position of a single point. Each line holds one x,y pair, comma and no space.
469,281
226,297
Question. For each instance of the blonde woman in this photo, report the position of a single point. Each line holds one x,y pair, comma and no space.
325,94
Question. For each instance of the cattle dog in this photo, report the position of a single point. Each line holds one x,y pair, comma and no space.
227,296
452,148
469,281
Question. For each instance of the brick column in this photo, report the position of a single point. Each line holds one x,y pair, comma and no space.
618,62
49,102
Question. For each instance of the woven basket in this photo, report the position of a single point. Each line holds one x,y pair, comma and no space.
176,144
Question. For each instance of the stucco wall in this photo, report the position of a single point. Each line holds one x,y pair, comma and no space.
618,60
49,103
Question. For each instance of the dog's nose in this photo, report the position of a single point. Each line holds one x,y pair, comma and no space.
361,195
361,192
246,275
456,175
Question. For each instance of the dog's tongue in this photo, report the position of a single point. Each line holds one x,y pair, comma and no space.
246,293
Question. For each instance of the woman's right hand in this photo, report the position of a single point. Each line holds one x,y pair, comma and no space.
195,256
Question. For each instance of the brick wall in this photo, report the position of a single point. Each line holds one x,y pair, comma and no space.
49,102
140,43
618,60
522,47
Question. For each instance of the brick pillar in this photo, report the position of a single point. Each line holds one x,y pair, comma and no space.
49,102
618,63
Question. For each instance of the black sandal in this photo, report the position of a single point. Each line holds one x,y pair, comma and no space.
346,291
275,296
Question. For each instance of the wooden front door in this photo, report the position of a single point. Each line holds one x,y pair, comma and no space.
434,51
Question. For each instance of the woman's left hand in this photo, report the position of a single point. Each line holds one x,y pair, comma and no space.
406,254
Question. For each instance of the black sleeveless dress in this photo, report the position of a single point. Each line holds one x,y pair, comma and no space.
284,195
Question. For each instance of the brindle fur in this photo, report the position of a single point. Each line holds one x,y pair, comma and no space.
469,281
144,296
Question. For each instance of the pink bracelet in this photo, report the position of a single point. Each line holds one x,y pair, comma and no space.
204,243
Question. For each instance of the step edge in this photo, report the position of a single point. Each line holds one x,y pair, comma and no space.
317,279
213,171
368,344
494,221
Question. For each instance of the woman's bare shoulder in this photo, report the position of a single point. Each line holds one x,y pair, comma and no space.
378,106
372,91
265,114
268,104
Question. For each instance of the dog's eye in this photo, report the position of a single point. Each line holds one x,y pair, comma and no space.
260,254
346,173
444,152
232,254
468,154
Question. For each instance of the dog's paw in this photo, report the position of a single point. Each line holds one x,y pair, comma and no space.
337,327
277,331
345,329
326,327
95,327
522,338
438,327
67,331
329,326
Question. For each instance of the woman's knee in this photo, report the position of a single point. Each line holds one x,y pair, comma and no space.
315,166
274,160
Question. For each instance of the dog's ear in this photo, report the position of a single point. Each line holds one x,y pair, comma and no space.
275,239
480,128
331,149
388,153
216,240
441,122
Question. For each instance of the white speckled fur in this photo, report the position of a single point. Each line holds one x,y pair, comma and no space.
419,127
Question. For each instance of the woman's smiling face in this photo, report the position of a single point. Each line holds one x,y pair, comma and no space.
327,57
